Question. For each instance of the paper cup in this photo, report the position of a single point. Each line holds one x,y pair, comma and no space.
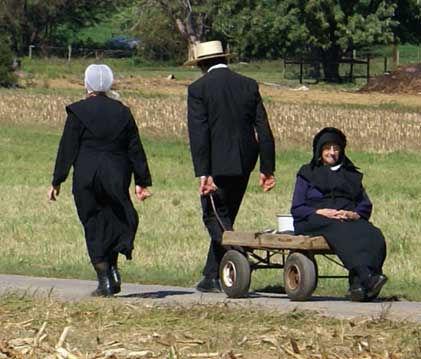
285,223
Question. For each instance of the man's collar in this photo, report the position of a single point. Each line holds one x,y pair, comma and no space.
218,66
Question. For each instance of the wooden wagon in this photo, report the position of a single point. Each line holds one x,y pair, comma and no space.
295,254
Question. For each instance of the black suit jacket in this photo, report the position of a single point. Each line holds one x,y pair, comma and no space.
225,112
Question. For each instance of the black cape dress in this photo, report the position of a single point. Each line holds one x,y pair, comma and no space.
101,141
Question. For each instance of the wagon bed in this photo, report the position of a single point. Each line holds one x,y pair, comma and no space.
264,240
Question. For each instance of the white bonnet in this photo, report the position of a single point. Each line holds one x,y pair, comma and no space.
98,78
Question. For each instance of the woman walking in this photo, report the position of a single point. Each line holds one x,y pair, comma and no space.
101,141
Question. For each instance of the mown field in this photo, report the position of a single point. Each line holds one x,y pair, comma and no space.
41,238
34,328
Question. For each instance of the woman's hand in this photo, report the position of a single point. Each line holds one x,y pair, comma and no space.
341,214
328,212
142,193
53,192
349,215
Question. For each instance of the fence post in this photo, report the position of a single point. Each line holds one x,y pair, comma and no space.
301,71
368,68
284,68
30,51
395,52
385,64
69,53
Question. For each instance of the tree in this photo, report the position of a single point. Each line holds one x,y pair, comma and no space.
36,22
7,77
408,17
326,28
158,40
191,18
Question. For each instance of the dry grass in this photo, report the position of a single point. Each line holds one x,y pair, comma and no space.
34,328
294,120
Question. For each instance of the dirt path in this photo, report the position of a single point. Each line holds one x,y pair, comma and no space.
73,289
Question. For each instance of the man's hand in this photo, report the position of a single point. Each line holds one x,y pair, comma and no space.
267,182
53,192
142,193
206,185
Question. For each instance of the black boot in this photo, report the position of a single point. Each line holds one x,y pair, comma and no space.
104,284
356,291
115,277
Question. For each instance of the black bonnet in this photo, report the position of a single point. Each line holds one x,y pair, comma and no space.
326,135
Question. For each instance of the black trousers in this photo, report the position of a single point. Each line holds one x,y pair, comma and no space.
227,200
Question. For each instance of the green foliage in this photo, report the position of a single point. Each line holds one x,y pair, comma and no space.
271,28
408,14
7,77
159,38
48,22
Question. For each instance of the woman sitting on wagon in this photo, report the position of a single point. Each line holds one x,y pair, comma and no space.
329,200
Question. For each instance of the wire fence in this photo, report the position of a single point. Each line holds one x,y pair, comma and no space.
70,52
352,68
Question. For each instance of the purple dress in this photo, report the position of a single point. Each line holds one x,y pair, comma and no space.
305,192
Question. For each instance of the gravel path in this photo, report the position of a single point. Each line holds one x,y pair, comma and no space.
75,290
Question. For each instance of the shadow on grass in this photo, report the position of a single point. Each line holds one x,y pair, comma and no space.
156,295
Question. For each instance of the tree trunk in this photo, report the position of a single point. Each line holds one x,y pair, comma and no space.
189,36
330,62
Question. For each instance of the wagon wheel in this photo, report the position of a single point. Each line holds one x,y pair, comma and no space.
300,276
234,274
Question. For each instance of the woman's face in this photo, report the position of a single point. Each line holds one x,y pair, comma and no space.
331,153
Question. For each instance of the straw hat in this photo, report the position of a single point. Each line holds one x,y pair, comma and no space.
206,50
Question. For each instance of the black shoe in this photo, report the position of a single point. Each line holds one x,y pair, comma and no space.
104,284
115,279
209,285
374,285
357,294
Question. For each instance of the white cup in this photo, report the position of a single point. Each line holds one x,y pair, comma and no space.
285,223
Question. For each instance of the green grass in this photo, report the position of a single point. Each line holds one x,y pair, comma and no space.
46,239
52,68
261,70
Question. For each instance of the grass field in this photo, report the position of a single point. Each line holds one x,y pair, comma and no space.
46,239
42,238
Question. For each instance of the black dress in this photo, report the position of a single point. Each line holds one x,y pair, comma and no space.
101,141
358,243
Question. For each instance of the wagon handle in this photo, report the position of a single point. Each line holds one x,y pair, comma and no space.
216,212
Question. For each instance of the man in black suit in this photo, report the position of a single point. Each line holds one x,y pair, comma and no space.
228,130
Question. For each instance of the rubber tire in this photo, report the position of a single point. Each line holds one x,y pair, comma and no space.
300,276
235,274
